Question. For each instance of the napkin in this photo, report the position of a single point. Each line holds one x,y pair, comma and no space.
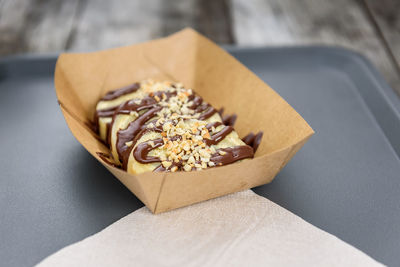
241,229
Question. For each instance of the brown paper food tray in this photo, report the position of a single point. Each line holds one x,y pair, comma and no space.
82,78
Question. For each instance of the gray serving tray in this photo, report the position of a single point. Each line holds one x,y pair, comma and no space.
346,180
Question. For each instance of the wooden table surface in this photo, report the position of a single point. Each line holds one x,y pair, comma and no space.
371,27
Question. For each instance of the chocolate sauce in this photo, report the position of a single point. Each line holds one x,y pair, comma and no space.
253,140
108,112
214,124
92,126
217,137
160,168
199,107
120,92
248,139
128,134
137,128
142,150
207,114
229,119
232,154
197,100
102,113
106,159
131,105
108,130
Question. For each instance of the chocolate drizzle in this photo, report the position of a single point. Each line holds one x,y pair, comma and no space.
109,112
133,129
207,114
133,105
232,154
120,92
253,140
160,168
107,159
222,157
142,150
227,119
126,139
128,134
199,106
106,112
219,136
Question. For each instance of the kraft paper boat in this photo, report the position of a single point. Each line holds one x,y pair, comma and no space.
188,57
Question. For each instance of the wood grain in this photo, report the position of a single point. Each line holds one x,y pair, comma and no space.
12,20
35,26
209,17
106,24
386,14
367,26
286,22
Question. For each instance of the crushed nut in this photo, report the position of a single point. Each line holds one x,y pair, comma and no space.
187,168
166,164
134,113
174,169
183,134
129,143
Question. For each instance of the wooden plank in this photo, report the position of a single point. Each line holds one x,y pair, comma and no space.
386,14
82,25
105,24
286,22
35,26
214,20
12,19
209,17
51,21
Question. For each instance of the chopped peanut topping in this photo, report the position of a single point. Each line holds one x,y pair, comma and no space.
183,134
166,164
129,143
174,169
187,168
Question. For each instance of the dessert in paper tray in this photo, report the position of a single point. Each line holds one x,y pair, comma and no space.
159,126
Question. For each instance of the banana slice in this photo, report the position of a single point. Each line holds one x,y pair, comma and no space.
107,105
